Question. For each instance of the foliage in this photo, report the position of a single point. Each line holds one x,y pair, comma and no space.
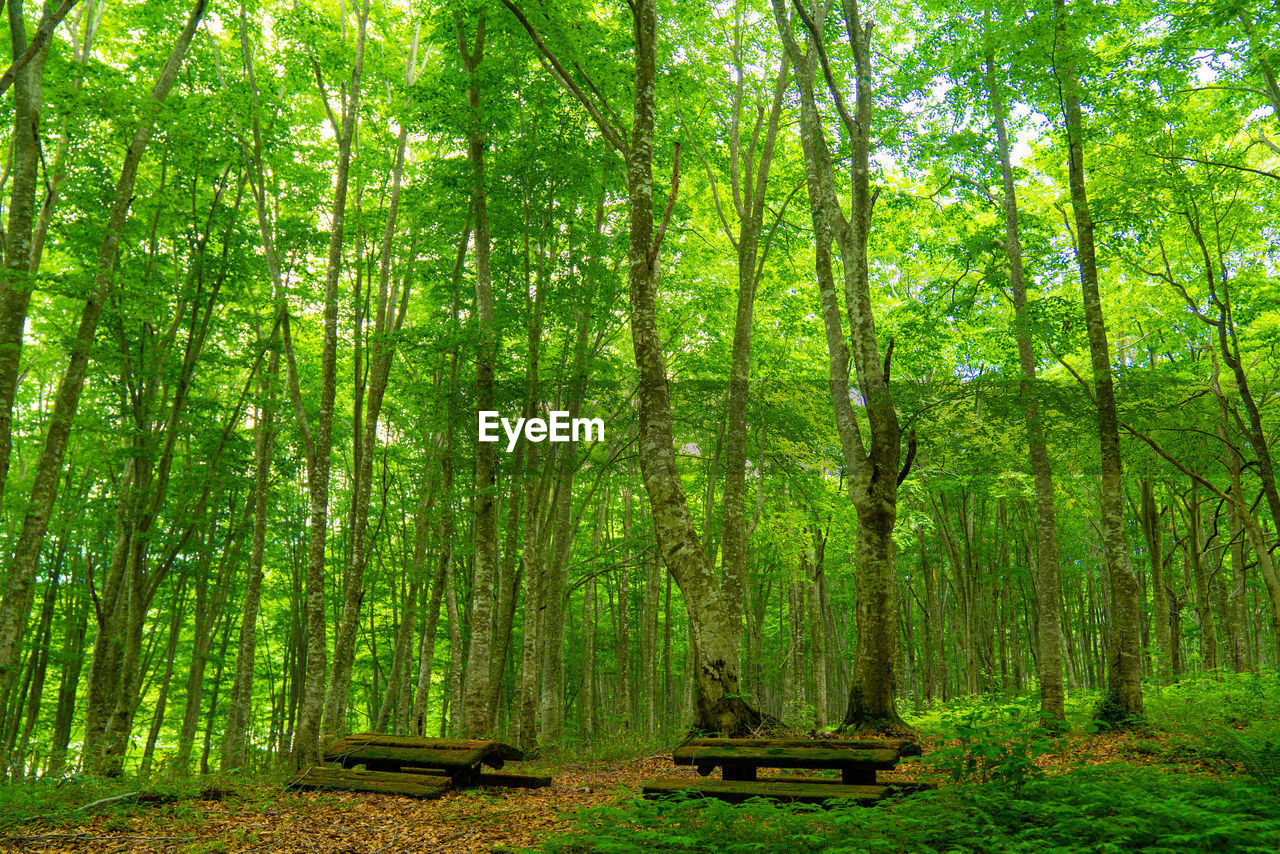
56,803
998,746
1105,808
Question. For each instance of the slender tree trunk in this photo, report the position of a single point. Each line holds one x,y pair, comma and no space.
476,712
622,629
306,744
390,317
26,550
1049,637
750,183
208,613
15,275
162,699
874,469
69,680
1153,531
240,709
1196,558
1238,644
1124,672
439,579
454,697
39,663
649,647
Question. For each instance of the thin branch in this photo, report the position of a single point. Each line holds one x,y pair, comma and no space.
768,240
324,96
1223,88
47,26
1168,157
715,190
671,202
849,123
611,134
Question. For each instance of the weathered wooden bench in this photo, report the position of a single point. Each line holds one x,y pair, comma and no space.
740,759
420,767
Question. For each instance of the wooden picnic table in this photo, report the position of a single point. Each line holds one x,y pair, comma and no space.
740,759
458,759
409,765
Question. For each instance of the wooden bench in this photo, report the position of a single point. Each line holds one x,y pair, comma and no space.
740,759
421,767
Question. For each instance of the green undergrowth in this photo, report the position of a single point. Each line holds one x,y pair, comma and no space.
76,799
1107,808
1220,722
1204,700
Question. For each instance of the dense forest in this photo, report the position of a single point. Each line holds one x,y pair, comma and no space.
922,352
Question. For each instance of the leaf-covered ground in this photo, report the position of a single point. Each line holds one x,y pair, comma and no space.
269,820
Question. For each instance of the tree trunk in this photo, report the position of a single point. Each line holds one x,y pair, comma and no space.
162,699
1196,558
476,712
817,641
750,184
874,471
1153,532
69,680
306,739
1049,637
16,274
240,709
392,307
1123,699
44,488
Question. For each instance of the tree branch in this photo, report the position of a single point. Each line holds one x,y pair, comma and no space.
611,134
46,28
850,125
671,202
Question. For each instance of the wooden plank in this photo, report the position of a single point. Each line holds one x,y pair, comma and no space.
801,791
508,780
785,757
381,782
515,781
409,757
905,747
906,787
360,739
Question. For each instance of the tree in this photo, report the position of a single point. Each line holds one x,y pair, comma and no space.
874,471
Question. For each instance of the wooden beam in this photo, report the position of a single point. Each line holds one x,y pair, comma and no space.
741,790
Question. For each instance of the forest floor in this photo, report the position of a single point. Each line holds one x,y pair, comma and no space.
263,818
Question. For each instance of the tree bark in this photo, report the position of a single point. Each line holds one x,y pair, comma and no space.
873,472
392,307
240,708
1153,532
1047,583
44,488
749,184
476,712
18,269
1123,699
306,743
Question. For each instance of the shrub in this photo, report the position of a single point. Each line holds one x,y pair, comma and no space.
1102,808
